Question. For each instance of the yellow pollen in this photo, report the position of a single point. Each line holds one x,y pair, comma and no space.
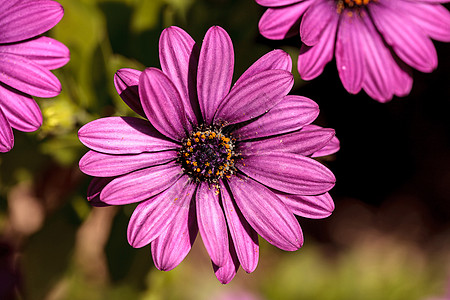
196,140
207,164
198,170
194,163
186,154
188,143
187,161
203,136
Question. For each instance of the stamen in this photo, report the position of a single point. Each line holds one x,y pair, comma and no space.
207,154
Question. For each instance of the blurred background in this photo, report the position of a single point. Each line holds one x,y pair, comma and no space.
389,237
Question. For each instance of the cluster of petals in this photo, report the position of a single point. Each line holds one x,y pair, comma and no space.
25,63
375,42
134,159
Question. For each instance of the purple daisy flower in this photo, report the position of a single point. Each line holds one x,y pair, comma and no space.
25,63
229,162
375,42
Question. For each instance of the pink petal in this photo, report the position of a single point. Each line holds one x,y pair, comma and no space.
245,239
331,147
152,217
275,3
312,60
254,96
178,54
383,76
408,41
266,213
227,272
123,135
434,20
162,104
6,134
212,224
282,22
291,114
20,109
108,165
44,51
315,19
349,57
274,60
172,245
140,185
215,71
313,207
126,82
288,172
27,76
28,19
303,142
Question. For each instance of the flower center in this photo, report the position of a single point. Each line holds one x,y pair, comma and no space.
343,4
207,154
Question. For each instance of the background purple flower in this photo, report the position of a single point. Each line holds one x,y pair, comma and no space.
375,42
230,162
25,63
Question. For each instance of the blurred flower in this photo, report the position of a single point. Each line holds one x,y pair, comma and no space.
25,63
374,41
231,164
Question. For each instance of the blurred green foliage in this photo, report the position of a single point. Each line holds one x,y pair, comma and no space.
104,36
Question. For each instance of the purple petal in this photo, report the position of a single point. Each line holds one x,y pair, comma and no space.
5,4
331,147
123,135
313,207
28,19
94,190
266,213
172,246
283,22
27,76
140,185
211,223
215,71
274,60
107,165
126,82
349,57
227,272
44,51
254,96
408,41
434,20
312,60
6,134
245,239
178,54
20,109
303,142
288,172
315,20
162,104
152,217
275,3
291,114
383,76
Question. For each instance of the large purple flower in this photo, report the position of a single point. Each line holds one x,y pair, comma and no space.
373,41
25,63
230,163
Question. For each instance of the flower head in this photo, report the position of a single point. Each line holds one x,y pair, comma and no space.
375,42
229,162
25,63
